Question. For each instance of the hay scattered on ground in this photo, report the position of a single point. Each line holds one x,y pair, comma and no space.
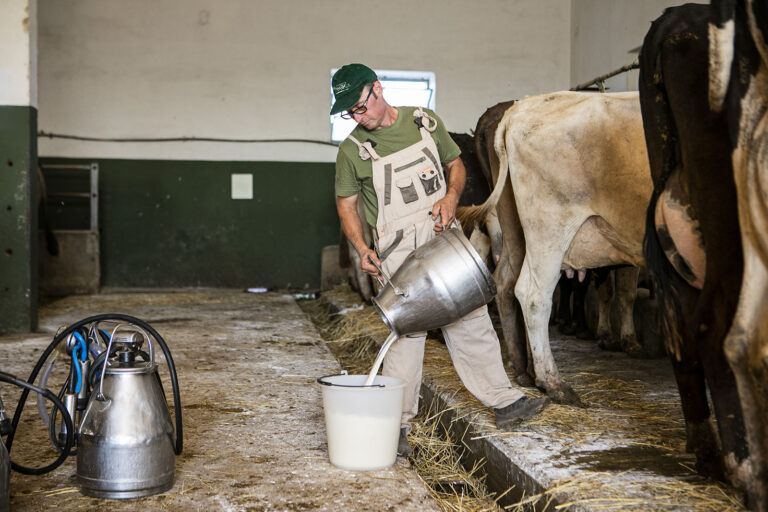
614,405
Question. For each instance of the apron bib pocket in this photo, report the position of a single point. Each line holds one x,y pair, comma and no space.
407,190
429,180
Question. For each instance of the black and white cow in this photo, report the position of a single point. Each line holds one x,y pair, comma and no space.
704,90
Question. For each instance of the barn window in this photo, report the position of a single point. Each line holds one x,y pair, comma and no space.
401,88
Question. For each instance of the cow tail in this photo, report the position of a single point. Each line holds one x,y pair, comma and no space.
659,120
473,214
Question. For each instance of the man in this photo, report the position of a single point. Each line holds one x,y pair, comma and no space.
409,173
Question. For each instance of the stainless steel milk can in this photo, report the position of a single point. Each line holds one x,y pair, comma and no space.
125,439
437,284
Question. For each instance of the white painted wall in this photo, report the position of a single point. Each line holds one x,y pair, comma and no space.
603,32
18,48
260,69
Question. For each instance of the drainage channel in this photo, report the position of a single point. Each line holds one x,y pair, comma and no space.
455,482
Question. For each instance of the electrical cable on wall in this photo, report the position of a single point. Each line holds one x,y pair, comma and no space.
177,139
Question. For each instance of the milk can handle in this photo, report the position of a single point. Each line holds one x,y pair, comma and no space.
454,222
395,288
100,395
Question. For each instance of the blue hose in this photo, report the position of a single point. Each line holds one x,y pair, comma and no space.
77,369
84,352
82,348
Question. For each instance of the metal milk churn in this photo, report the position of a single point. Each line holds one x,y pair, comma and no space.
125,439
437,283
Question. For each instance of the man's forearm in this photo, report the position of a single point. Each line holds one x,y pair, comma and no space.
457,177
351,224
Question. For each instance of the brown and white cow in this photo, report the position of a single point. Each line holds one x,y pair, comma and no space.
578,170
511,319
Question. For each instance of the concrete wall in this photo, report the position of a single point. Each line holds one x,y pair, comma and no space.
18,161
18,58
261,69
173,223
603,34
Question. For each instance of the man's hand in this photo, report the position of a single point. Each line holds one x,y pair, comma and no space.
366,265
444,211
446,207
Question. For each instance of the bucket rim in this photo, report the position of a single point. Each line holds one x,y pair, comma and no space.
397,384
320,381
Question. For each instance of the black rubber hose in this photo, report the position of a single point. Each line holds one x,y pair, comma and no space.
10,379
99,318
52,422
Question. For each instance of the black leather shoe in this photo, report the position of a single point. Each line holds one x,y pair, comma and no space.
403,446
521,410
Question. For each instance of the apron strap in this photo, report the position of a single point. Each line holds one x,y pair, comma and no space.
365,149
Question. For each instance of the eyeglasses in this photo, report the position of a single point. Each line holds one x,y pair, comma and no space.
347,114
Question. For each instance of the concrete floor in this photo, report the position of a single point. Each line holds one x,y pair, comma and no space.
254,434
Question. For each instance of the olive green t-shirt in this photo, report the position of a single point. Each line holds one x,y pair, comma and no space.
355,175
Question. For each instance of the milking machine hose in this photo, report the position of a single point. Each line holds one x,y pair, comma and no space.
10,379
61,336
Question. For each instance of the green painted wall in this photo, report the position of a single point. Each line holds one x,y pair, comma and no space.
174,224
18,248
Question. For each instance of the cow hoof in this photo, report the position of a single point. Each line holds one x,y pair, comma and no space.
525,380
563,394
634,349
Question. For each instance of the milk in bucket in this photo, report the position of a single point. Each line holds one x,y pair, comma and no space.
362,422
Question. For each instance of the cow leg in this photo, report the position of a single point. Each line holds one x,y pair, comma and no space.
511,321
481,243
564,319
746,348
604,285
579,313
494,232
700,433
534,290
626,291
712,327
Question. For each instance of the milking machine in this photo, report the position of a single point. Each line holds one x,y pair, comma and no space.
111,412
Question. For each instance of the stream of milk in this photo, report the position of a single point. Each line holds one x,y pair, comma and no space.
389,341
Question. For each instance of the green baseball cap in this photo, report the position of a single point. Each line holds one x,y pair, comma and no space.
348,84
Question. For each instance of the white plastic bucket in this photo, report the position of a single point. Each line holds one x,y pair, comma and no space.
362,422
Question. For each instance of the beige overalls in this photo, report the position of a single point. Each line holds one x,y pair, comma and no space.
407,184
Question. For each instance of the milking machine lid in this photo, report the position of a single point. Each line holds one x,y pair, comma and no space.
131,370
